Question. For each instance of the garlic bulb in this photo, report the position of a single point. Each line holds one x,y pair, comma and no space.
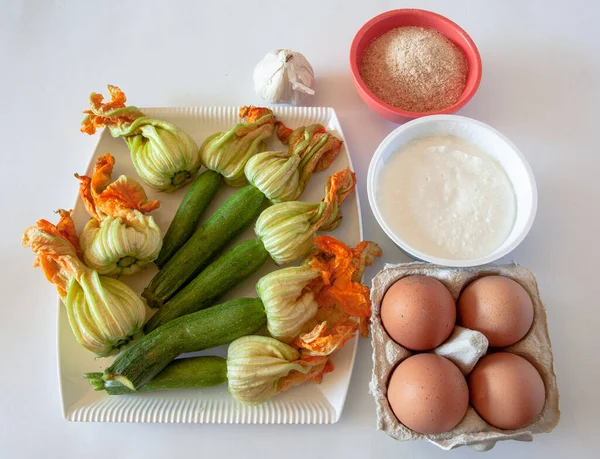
284,77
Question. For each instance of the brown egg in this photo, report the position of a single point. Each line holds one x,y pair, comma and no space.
498,307
428,394
506,391
418,312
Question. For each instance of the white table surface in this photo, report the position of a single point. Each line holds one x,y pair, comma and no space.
540,87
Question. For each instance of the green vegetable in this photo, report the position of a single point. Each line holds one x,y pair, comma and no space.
218,278
186,220
287,302
275,175
257,368
205,329
284,231
225,224
190,373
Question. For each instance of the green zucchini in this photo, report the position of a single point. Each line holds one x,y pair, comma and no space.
190,373
217,279
227,222
204,329
186,220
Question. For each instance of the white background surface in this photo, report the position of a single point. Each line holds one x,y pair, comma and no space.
540,87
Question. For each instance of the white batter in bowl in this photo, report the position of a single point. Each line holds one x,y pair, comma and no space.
452,191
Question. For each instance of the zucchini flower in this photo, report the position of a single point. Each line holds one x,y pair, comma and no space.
284,176
289,301
287,229
307,138
164,156
325,289
119,239
228,152
259,367
103,313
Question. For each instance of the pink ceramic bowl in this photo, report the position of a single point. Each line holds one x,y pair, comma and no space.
421,18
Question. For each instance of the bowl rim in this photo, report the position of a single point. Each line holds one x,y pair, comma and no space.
427,257
354,70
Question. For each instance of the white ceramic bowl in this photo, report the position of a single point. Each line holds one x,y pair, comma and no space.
489,140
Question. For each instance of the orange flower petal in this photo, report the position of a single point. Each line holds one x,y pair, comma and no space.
283,132
85,192
91,122
124,195
53,273
338,290
353,297
342,184
56,248
322,341
95,118
117,199
320,366
253,114
102,174
340,265
66,228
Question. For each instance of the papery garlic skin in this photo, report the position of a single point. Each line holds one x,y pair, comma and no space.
289,305
113,247
284,77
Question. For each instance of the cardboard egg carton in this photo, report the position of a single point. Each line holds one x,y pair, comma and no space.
464,347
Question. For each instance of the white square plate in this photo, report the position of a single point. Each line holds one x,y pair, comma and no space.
304,404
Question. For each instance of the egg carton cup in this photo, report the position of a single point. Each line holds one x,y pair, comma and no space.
464,347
